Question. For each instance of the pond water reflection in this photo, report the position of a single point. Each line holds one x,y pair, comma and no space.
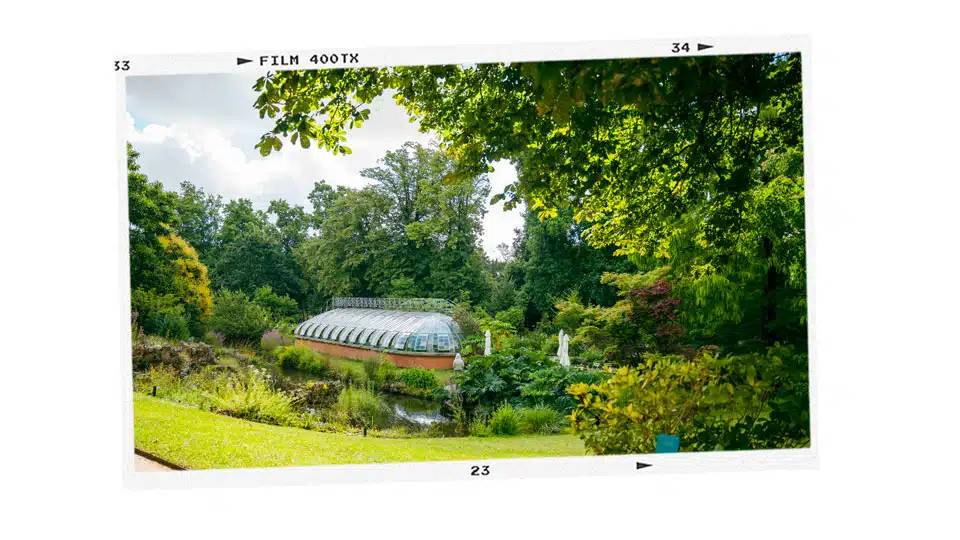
410,412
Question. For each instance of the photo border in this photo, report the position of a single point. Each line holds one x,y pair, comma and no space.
683,462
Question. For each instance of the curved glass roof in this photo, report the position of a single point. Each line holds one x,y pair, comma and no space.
414,331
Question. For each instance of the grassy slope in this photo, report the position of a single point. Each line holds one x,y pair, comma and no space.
202,440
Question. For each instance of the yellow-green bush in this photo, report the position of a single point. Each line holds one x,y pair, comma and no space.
741,402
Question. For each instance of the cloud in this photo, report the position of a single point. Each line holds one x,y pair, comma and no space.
202,129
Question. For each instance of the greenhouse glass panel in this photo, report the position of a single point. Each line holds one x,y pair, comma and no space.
363,336
421,331
342,334
386,339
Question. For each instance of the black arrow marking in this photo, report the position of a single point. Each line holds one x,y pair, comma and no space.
702,46
643,465
243,61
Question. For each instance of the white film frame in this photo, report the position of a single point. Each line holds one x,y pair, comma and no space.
683,462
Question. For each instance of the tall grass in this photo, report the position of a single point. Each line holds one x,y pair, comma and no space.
250,395
380,370
504,421
363,407
541,420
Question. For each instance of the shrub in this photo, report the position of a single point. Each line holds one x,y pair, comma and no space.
479,427
361,407
238,318
214,339
250,395
317,395
380,371
548,386
540,420
282,309
160,314
504,421
531,340
550,345
512,316
271,340
591,357
303,359
465,320
491,380
419,378
757,401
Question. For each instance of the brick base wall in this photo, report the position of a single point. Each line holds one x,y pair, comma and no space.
431,361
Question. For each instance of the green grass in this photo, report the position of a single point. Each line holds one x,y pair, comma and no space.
356,366
201,440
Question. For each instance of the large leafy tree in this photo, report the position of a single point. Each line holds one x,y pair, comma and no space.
435,218
552,261
349,256
252,254
170,290
152,213
658,155
200,215
292,223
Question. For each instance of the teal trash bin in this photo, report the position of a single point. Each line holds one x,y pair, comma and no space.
667,443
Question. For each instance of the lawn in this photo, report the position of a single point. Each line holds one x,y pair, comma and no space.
201,440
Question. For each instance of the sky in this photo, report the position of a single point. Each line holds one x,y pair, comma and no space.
202,129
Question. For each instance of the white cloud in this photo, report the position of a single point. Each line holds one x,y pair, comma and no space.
202,129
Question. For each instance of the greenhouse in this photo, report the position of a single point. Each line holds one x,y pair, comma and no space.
408,331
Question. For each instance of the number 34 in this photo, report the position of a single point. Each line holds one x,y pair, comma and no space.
479,470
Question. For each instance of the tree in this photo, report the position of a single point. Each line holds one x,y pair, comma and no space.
201,216
190,285
644,320
252,254
292,223
152,213
238,318
170,291
282,309
435,218
553,260
349,257
413,232
642,149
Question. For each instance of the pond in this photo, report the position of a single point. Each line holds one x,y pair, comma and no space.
408,411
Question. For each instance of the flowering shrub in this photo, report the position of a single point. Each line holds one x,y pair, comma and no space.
273,339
